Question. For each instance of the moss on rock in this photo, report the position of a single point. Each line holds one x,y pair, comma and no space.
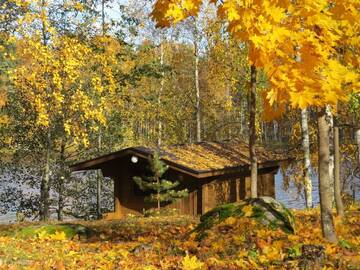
265,210
70,230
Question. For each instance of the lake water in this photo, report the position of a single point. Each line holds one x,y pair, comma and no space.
290,197
9,217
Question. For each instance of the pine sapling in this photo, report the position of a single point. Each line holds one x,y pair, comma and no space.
162,190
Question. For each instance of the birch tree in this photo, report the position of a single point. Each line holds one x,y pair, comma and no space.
307,163
55,75
330,119
337,165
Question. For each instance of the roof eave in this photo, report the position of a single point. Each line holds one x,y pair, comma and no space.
96,163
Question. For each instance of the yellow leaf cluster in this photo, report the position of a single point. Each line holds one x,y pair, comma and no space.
57,236
173,11
262,248
191,263
66,78
295,43
248,211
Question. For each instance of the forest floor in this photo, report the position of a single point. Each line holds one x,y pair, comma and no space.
169,243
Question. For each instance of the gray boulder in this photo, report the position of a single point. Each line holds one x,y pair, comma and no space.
265,210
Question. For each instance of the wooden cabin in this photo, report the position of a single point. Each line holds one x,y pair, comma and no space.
213,172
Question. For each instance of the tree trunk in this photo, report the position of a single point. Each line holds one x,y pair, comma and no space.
162,82
330,120
264,125
61,187
98,183
327,223
306,151
357,137
337,184
158,194
197,86
242,118
98,173
103,17
45,184
252,131
275,127
45,181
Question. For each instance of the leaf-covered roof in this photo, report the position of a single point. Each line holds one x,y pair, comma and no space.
196,159
207,156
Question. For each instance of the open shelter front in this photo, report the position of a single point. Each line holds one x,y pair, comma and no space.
213,172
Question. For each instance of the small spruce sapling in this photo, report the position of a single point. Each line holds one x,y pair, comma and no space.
162,190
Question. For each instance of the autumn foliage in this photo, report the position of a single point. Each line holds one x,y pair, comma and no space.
169,243
294,42
70,91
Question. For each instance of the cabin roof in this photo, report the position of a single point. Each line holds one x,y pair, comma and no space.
195,158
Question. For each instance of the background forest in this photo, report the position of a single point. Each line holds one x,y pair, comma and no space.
84,78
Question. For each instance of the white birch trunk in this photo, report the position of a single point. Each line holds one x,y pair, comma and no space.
252,132
330,119
306,151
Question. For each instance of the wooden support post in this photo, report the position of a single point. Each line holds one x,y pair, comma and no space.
238,191
205,198
247,187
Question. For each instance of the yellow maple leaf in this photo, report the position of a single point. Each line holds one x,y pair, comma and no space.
230,221
42,235
58,236
191,263
248,211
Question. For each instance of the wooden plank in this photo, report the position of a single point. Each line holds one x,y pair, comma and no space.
247,187
238,189
195,200
268,185
260,186
205,198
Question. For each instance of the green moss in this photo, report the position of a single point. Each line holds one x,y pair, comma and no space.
266,211
345,244
258,212
294,252
70,231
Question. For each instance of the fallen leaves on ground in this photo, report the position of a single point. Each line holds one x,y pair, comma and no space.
169,243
